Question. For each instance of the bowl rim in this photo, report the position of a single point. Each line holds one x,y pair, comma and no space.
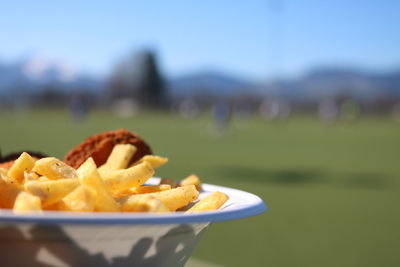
241,205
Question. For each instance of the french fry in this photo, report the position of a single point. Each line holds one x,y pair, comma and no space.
26,202
50,184
119,158
121,180
155,161
144,189
53,169
103,170
32,176
146,204
43,178
24,163
83,198
174,199
9,191
192,179
168,181
3,171
51,191
89,176
121,194
211,202
12,181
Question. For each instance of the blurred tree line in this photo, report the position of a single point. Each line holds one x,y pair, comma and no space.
139,79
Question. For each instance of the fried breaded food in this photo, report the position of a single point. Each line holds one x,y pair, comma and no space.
99,147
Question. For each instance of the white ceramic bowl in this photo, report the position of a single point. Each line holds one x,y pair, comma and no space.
114,239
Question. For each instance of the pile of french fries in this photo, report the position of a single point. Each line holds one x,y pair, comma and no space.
49,184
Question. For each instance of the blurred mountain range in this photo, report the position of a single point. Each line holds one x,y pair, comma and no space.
210,83
339,82
317,84
32,75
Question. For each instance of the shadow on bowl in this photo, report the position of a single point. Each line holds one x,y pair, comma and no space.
99,245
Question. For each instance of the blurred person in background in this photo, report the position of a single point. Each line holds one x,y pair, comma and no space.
328,110
78,106
274,109
221,112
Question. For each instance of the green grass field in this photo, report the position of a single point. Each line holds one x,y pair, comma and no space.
333,190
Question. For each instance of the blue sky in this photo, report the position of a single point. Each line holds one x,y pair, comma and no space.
254,39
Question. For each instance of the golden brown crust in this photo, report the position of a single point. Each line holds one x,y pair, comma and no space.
99,147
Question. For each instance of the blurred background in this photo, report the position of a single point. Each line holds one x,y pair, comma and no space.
295,101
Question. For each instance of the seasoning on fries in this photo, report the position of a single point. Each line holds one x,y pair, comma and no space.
118,185
211,202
